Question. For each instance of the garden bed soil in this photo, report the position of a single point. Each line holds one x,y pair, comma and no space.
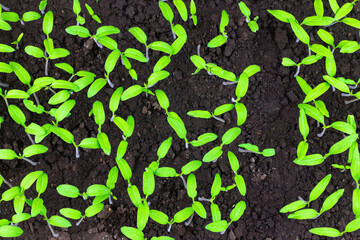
272,120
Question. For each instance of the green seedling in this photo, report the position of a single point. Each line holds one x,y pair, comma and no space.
17,41
77,11
168,15
8,154
69,69
254,27
100,38
287,62
3,24
42,6
220,39
217,112
70,191
14,17
92,14
13,94
352,226
216,152
181,7
67,137
77,215
239,180
250,148
139,34
193,12
204,139
127,127
7,230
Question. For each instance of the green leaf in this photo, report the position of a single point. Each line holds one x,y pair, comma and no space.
342,145
244,9
41,183
132,233
5,68
64,109
21,73
112,177
249,147
325,231
219,226
313,112
338,84
6,48
37,206
124,168
230,135
317,21
294,206
349,47
190,167
121,149
302,149
282,15
183,214
104,143
319,188
310,160
106,30
94,209
303,124
162,63
131,92
135,54
78,30
10,16
17,115
343,127
63,84
334,6
203,139
123,125
48,22
287,62
331,200
11,193
213,154
159,217
71,213
165,172
199,209
166,11
115,99
217,41
319,8
164,148
321,50
7,154
215,212
139,34
268,152
199,114
4,25
351,22
59,53
216,186
148,183
97,190
304,214
20,217
134,195
234,162
107,42
237,211
191,186
142,216
355,162
91,143
198,61
58,221
241,113
30,16
64,134
34,149
161,46
29,179
177,124
59,97
242,86
223,109
299,32
240,183
99,113
353,225
330,65
76,7
10,231
156,77
224,21
180,5
322,108
326,36
162,99
303,85
343,11
96,86
310,60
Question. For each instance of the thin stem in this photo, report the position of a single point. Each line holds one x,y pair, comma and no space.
46,67
77,154
6,182
219,119
52,90
187,223
333,88
301,199
110,200
43,11
174,35
223,231
6,102
297,40
4,8
78,222
30,138
22,22
198,50
169,228
186,145
183,180
17,46
229,83
233,100
112,118
246,151
322,133
353,86
72,76
4,84
77,23
210,73
309,51
147,53
110,83
330,24
202,199
29,161
214,161
297,71
351,101
52,230
36,100
98,44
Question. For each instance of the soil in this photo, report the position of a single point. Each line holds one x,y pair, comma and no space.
272,120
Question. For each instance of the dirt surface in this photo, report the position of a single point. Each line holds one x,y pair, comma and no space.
272,120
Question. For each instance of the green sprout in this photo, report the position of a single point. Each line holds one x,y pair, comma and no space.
17,41
217,112
168,15
193,12
77,11
92,14
42,6
220,39
251,148
254,27
8,154
14,17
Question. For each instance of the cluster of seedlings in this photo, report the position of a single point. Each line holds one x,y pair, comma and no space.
26,207
313,107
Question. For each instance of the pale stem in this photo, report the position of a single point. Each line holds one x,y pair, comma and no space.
110,200
229,83
169,228
17,46
4,8
322,133
183,180
6,102
46,67
345,94
122,61
297,40
330,24
147,53
4,84
148,203
111,119
77,23
186,145
72,76
351,101
301,199
309,51
214,161
110,83
98,44
6,182
78,222
152,85
297,71
233,100
174,35
219,119
187,223
36,99
333,50
353,86
52,90
84,197
246,151
247,20
317,124
31,139
29,161
198,50
202,199
22,22
52,230
333,88
210,73
123,137
223,231
43,11
77,154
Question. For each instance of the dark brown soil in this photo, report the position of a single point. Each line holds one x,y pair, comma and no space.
272,120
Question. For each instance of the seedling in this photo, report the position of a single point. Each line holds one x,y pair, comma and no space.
18,40
250,148
239,180
217,112
254,27
287,62
77,11
42,6
8,154
14,17
3,24
139,34
127,127
13,94
193,12
220,39
168,15
92,14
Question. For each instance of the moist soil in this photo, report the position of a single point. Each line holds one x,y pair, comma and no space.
272,120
